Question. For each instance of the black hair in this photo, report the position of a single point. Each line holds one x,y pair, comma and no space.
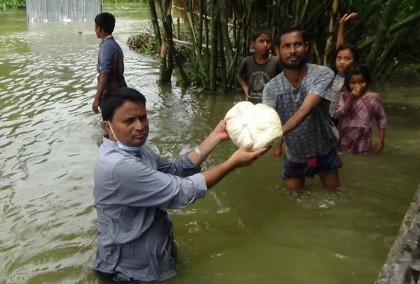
353,49
260,31
289,29
357,70
117,98
105,21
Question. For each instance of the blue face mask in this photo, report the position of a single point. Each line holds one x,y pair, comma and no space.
122,146
128,148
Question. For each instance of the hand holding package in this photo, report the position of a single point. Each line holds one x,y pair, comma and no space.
248,123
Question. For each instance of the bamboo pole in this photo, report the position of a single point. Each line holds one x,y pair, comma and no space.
213,51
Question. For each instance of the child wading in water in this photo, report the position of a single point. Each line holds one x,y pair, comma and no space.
356,111
257,69
346,56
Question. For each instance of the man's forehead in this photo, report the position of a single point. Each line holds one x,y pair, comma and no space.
290,37
131,106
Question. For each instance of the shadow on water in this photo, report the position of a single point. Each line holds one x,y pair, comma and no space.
248,229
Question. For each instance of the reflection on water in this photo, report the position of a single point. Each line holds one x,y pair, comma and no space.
247,229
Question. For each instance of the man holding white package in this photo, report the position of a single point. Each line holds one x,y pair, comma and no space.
133,187
301,97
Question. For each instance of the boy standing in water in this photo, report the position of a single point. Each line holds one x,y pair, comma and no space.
257,69
110,64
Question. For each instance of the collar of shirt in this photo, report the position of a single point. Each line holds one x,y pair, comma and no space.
105,39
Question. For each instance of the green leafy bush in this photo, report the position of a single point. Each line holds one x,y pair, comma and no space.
5,4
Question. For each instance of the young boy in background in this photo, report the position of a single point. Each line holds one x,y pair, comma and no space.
110,64
257,69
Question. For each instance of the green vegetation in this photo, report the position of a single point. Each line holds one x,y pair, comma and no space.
219,33
5,4
120,4
144,43
213,36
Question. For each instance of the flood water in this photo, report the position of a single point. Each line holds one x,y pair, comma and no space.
247,229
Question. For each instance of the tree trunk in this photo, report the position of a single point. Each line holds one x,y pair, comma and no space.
165,73
193,38
228,51
155,22
222,58
213,52
167,26
165,65
329,46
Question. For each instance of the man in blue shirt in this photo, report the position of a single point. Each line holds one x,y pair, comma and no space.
133,186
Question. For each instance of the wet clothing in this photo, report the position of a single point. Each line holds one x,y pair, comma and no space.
355,126
337,88
257,75
313,166
131,193
111,60
316,135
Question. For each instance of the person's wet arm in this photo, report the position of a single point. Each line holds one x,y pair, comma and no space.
218,135
189,164
104,67
380,143
382,123
241,80
240,158
310,102
102,82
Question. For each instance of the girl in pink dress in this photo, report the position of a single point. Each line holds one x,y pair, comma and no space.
357,109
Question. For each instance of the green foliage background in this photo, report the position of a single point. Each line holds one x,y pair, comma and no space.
4,4
220,31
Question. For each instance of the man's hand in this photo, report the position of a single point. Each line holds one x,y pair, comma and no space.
220,131
245,156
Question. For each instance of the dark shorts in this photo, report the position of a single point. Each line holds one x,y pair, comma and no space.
314,166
